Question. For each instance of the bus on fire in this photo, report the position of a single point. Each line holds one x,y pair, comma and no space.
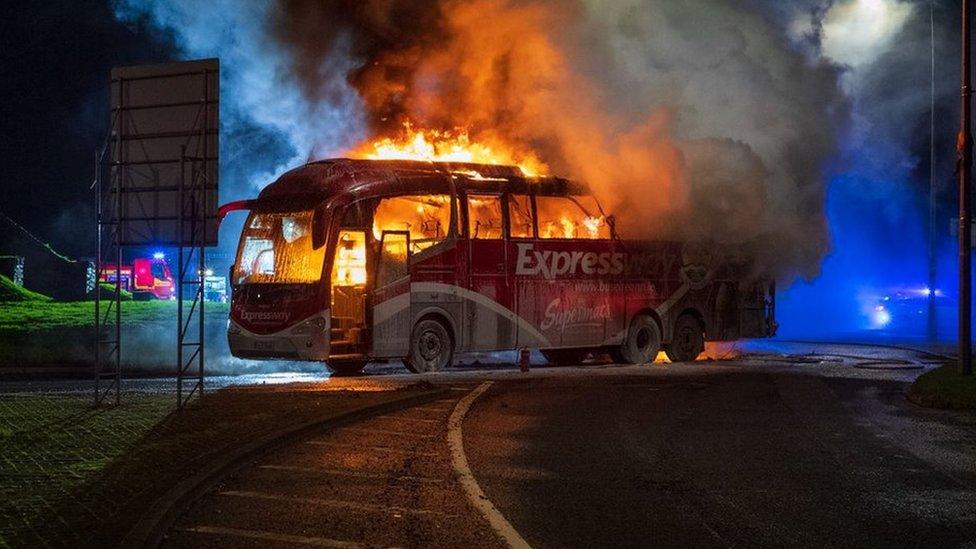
347,261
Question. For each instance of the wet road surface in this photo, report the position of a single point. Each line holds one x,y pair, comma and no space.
818,448
733,458
383,482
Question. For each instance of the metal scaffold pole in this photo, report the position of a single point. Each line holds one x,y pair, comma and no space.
163,146
965,200
107,346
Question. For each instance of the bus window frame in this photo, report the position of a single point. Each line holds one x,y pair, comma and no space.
508,217
504,208
449,240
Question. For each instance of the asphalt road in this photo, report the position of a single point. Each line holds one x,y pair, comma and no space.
814,449
730,458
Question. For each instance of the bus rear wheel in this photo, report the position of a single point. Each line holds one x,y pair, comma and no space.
431,347
346,367
643,342
688,340
565,357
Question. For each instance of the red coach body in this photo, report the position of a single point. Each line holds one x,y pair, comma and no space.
345,261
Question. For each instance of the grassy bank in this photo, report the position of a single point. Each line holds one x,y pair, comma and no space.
46,315
944,388
48,333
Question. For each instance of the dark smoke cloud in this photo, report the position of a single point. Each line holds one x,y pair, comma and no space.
387,39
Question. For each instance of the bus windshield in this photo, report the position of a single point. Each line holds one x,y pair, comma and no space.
276,248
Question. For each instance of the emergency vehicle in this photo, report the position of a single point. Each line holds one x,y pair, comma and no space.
147,278
346,261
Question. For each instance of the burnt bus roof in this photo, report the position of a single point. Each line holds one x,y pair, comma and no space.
308,185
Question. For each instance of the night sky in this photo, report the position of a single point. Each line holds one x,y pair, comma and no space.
56,57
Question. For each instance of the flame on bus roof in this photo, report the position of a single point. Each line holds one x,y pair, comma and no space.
433,145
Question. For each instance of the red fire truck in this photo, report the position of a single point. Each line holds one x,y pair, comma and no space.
345,261
147,278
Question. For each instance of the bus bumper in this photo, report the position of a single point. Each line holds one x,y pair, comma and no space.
309,340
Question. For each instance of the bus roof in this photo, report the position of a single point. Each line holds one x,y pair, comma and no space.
317,181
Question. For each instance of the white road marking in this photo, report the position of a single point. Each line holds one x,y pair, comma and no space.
341,446
383,509
470,485
348,473
270,536
385,432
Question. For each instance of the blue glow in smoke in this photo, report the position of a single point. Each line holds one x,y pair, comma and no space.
874,282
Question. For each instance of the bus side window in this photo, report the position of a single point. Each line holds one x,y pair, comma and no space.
427,218
571,217
485,217
520,216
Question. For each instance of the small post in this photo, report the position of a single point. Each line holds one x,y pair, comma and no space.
524,356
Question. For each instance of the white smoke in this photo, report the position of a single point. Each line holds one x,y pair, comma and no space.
759,119
855,33
257,85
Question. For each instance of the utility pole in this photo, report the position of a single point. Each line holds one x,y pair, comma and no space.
933,210
965,145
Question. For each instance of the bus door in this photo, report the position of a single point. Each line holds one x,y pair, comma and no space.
491,324
391,296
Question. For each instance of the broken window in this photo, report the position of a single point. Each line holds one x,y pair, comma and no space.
485,217
571,217
277,248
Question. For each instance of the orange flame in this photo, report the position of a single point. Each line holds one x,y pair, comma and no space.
446,146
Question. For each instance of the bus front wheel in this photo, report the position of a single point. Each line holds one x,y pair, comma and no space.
688,340
431,347
643,342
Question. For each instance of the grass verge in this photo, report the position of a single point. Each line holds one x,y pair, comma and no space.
108,495
29,316
944,388
10,292
36,334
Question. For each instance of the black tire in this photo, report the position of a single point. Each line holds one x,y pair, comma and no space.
565,357
342,368
431,347
643,342
687,341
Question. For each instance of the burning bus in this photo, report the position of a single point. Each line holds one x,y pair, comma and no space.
346,261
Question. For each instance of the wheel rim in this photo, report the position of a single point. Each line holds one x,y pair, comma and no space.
643,338
430,346
687,339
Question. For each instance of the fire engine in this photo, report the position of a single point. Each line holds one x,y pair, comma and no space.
346,261
147,278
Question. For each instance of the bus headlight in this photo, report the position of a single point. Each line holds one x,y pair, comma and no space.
232,327
310,327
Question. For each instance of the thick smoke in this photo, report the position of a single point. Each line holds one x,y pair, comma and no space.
694,119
